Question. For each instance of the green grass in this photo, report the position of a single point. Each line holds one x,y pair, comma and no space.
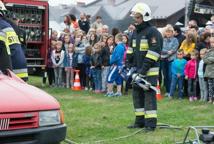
91,117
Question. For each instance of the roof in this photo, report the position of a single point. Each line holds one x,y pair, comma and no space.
121,8
116,12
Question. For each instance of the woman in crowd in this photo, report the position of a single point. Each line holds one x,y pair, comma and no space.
209,72
80,46
168,54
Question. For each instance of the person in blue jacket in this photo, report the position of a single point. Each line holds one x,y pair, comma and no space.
116,62
177,69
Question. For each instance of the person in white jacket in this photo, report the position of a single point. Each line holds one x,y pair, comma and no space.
57,58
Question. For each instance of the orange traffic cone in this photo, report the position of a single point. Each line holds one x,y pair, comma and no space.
77,85
158,93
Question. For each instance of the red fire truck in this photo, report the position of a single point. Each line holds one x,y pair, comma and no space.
33,18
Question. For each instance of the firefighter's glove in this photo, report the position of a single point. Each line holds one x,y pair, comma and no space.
139,81
141,84
134,77
131,71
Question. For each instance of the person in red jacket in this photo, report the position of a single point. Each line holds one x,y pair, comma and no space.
191,75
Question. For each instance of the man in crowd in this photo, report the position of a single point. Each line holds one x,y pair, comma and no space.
84,23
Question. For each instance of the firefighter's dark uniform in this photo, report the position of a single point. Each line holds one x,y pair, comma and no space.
20,32
147,44
5,59
12,42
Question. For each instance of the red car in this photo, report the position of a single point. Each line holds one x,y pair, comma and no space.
28,115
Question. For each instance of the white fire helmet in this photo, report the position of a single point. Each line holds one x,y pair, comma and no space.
2,8
142,9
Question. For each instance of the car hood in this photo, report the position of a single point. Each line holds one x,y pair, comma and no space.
17,96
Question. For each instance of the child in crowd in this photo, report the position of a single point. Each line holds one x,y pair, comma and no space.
116,61
105,54
66,42
68,63
96,63
125,41
177,68
202,82
209,72
57,59
49,65
191,75
126,60
87,62
54,35
189,44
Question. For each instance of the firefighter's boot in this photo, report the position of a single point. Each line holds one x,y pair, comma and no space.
139,123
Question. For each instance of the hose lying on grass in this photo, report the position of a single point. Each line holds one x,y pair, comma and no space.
160,125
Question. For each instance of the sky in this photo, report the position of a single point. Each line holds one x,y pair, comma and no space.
57,2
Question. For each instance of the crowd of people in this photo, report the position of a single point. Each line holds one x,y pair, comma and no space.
186,61
187,58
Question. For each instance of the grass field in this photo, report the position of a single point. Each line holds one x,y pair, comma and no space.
92,117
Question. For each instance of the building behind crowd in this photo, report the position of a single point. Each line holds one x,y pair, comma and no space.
116,13
201,11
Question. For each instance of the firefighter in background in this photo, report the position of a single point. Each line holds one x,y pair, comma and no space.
146,42
20,32
5,59
12,43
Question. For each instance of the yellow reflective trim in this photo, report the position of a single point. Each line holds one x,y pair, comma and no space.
155,58
22,75
134,43
139,113
7,47
151,116
2,38
152,73
24,70
144,46
12,38
21,39
129,51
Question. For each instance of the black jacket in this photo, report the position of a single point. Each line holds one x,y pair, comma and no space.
5,60
105,54
147,44
96,60
84,25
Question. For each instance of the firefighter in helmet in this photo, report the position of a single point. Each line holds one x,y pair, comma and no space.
146,42
13,46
